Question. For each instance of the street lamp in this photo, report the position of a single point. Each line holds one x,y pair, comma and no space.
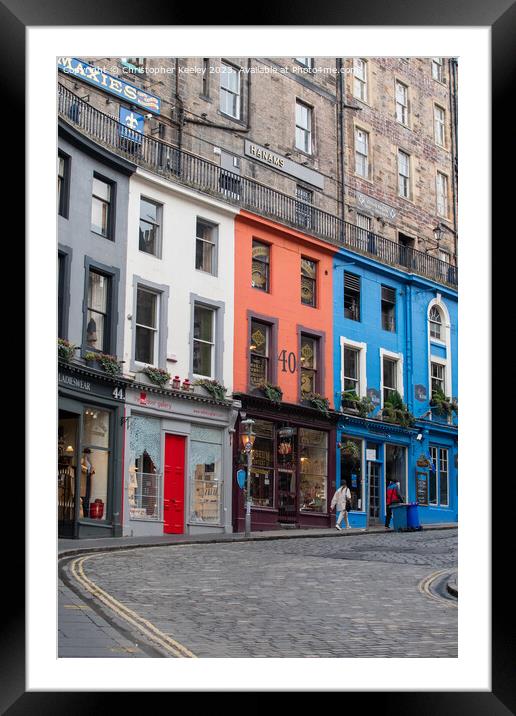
248,441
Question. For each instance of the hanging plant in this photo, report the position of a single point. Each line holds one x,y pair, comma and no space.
109,364
351,401
158,376
65,349
320,402
395,411
351,450
214,388
272,392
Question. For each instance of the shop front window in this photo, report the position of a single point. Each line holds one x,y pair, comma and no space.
205,475
351,469
94,466
313,457
67,452
145,473
262,467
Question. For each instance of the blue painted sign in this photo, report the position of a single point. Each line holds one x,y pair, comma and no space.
132,125
420,393
241,476
104,81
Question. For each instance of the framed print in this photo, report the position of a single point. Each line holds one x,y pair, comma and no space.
206,251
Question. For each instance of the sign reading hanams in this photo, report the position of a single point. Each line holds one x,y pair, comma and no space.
102,80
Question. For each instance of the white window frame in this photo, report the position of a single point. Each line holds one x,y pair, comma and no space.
406,177
212,343
402,108
437,62
440,125
229,90
362,364
445,341
306,131
212,241
398,357
438,361
441,198
360,81
155,348
361,154
435,454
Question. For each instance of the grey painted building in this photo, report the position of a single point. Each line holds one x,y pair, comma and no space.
93,191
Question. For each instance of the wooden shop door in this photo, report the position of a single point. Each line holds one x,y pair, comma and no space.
174,486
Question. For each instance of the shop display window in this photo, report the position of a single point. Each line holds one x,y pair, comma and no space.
94,467
145,471
313,449
262,471
351,469
206,483
67,461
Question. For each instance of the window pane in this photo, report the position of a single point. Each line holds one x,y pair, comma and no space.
202,353
314,469
148,238
96,427
146,308
206,481
350,363
94,484
101,189
97,292
144,345
308,352
351,469
204,256
203,323
148,211
99,216
95,330
259,338
389,373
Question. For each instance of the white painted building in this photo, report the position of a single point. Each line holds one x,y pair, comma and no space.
178,318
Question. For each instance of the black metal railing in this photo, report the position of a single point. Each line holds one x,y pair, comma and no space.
203,175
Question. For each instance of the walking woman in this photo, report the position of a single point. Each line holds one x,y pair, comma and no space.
342,500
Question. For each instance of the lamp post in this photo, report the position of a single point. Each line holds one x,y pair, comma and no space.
248,441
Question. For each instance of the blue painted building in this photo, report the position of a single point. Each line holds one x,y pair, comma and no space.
394,333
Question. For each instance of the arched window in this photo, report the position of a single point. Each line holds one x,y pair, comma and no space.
436,323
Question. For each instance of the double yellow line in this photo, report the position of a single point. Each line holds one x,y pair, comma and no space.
147,628
426,584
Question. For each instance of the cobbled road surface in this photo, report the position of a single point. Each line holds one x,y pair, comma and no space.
349,596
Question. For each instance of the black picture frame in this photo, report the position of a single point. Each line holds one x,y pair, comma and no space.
500,16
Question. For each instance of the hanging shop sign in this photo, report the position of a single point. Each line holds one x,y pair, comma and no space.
374,396
131,125
378,208
240,476
423,461
263,155
104,81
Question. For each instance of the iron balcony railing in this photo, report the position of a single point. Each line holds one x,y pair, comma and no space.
202,175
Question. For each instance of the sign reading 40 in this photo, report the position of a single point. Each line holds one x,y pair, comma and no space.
288,362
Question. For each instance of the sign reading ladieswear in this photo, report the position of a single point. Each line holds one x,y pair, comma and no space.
95,76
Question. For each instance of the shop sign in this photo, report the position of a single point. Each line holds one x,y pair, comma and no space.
370,454
378,208
263,155
420,393
423,461
73,382
422,487
241,477
131,125
374,396
104,81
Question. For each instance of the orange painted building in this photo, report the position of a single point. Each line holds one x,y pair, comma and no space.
283,337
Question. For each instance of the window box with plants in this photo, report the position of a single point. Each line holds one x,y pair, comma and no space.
319,402
103,361
157,376
66,350
271,392
213,388
352,403
443,405
395,411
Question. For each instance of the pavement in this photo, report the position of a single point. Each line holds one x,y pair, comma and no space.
184,604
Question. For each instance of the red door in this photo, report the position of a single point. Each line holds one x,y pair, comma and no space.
174,488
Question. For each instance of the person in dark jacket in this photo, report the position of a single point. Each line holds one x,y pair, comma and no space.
393,497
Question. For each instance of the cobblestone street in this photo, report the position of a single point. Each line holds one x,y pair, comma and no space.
355,596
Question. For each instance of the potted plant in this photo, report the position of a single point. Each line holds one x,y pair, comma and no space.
271,391
442,404
319,402
65,349
215,389
352,403
395,411
109,364
158,376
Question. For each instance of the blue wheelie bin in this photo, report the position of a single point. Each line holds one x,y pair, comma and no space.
399,517
413,516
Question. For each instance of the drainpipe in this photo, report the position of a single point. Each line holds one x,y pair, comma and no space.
341,139
454,142
408,348
180,111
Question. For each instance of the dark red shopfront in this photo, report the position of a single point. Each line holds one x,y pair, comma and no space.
292,468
